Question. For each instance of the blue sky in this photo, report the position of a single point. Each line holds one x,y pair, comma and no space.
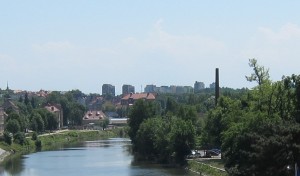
76,44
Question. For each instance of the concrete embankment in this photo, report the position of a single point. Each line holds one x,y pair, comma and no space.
3,154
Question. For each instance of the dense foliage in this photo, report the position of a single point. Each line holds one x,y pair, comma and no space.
258,132
167,138
33,116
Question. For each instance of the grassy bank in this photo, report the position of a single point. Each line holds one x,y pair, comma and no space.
50,141
205,169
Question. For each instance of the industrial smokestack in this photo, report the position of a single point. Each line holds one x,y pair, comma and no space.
217,87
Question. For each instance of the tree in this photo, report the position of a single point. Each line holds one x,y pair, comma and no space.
171,105
76,113
165,140
51,121
182,138
146,137
7,137
140,111
37,123
65,105
105,123
22,124
26,99
33,102
21,99
20,138
262,146
264,88
12,126
260,75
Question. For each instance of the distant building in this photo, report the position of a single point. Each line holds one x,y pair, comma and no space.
58,112
150,88
198,86
164,89
173,89
108,89
3,116
129,99
212,85
93,118
188,89
169,89
112,115
127,89
9,105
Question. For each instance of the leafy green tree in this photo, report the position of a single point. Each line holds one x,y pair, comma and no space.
76,113
187,113
140,111
108,107
105,123
37,123
12,126
20,138
7,137
33,102
26,99
52,122
22,123
22,108
20,99
182,138
54,97
146,137
171,105
34,136
260,75
65,105
262,146
165,140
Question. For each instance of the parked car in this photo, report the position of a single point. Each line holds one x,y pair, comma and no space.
212,152
194,154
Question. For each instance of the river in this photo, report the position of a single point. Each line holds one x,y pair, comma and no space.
89,158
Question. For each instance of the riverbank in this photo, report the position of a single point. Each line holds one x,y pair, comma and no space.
51,140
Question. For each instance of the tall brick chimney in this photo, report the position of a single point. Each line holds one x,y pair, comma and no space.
217,87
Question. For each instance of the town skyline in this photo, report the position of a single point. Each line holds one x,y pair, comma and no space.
81,45
196,87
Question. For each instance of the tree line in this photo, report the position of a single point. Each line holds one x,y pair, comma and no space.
259,133
33,116
257,130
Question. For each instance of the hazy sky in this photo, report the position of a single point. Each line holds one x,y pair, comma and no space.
82,44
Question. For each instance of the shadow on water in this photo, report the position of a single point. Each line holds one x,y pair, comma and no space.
13,165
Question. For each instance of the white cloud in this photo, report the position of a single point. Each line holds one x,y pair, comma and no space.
177,49
183,46
276,49
53,46
8,62
288,31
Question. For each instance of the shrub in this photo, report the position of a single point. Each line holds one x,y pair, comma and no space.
34,136
19,138
7,137
38,144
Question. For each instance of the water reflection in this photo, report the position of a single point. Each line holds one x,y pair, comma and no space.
102,157
13,165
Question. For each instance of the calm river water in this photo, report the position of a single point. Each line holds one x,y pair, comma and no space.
90,158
